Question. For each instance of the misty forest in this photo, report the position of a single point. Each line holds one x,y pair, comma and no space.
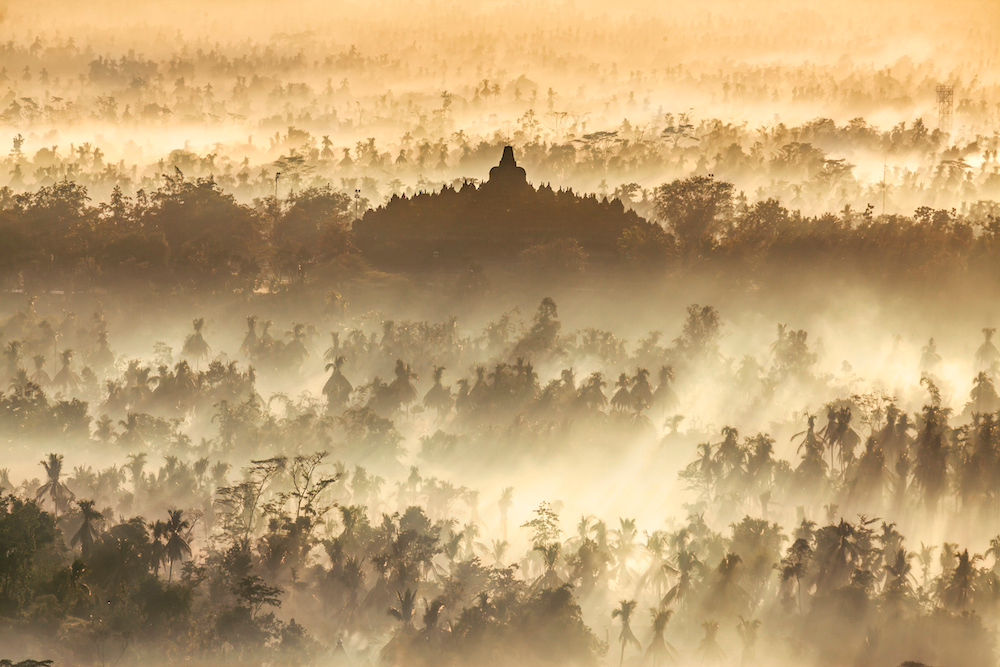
437,334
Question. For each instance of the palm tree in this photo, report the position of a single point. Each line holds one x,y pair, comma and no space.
403,611
176,547
135,467
664,395
21,385
12,357
687,563
898,575
54,488
249,346
658,571
793,566
931,469
624,547
432,613
987,356
131,435
983,396
296,351
337,389
626,636
40,377
709,644
195,345
993,551
401,387
592,392
550,557
641,392
659,648
438,397
622,400
103,359
499,551
930,358
66,378
87,533
959,589
926,558
105,429
158,552
748,629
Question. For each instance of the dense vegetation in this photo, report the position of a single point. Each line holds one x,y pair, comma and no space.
172,549
193,235
293,372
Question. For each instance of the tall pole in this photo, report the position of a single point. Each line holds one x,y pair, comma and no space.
357,204
276,177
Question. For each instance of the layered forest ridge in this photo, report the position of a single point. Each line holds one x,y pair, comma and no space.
555,334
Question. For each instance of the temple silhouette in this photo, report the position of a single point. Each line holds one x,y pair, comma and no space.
497,220
507,174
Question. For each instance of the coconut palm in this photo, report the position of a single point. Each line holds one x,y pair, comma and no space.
622,400
550,558
406,605
296,352
993,551
687,565
177,547
12,357
960,587
626,636
624,548
592,392
21,385
248,348
195,345
659,648
40,377
748,629
664,395
103,358
438,397
987,356
930,471
401,387
659,571
66,378
54,489
158,550
929,359
337,388
709,644
431,614
131,435
641,393
87,532
499,552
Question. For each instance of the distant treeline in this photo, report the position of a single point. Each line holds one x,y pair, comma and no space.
191,233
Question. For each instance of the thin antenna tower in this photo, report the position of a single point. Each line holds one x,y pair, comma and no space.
946,99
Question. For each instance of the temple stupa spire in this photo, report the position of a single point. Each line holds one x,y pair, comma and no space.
507,173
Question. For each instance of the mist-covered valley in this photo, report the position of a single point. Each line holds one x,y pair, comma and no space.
548,334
